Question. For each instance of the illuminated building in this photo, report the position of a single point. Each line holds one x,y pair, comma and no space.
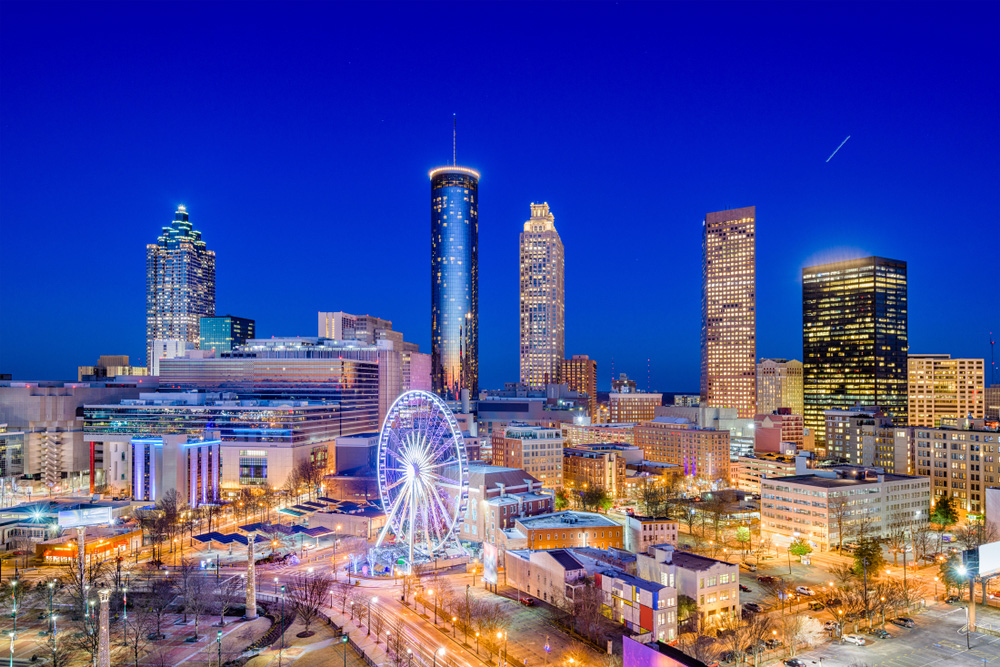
712,584
225,332
581,434
109,366
642,532
960,459
778,432
454,281
344,326
729,311
779,385
687,400
180,284
623,385
584,468
854,338
751,469
943,388
190,465
629,408
11,454
580,374
543,303
537,450
865,436
496,496
551,407
566,529
991,402
704,453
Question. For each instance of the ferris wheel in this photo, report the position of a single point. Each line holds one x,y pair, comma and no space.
423,475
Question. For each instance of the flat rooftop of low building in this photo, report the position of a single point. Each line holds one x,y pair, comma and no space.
835,482
690,561
641,584
568,518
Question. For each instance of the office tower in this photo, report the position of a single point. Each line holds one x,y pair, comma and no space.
543,303
729,311
225,332
344,326
865,436
454,281
109,366
180,284
942,387
630,408
854,340
991,402
580,374
779,385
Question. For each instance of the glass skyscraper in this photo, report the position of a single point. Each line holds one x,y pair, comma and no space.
180,284
454,281
854,339
225,332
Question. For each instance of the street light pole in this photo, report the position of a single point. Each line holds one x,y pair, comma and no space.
220,648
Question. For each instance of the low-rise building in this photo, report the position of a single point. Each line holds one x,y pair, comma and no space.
704,453
642,532
641,605
960,458
713,584
561,530
538,450
498,496
552,575
752,469
826,506
776,432
584,468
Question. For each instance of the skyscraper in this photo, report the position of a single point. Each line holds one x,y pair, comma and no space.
729,311
854,339
226,332
180,284
454,281
543,304
779,385
580,374
943,388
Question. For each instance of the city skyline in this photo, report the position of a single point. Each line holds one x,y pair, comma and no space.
811,210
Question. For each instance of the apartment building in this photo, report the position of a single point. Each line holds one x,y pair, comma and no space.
828,507
939,387
961,459
592,434
866,436
704,453
713,584
640,605
642,532
587,469
538,450
774,432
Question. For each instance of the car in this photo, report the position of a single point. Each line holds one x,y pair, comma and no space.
730,656
952,599
902,622
816,606
745,589
773,643
749,566
794,662
880,633
857,640
754,607
804,590
527,602
766,579
759,646
830,626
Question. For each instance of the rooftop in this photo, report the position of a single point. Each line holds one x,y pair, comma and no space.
642,584
690,561
568,518
824,482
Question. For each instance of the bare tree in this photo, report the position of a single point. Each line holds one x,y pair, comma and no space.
838,513
137,630
844,573
896,535
197,599
342,592
83,635
307,594
800,630
588,607
229,593
186,574
162,592
735,635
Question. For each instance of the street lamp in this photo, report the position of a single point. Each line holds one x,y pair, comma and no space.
220,647
477,643
454,619
370,600
439,652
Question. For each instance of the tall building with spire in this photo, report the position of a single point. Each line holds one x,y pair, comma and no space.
543,303
729,311
454,281
180,284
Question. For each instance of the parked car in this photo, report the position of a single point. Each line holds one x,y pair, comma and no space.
880,633
765,579
745,589
527,602
816,606
857,640
903,622
750,566
754,607
773,643
952,599
730,656
804,590
795,662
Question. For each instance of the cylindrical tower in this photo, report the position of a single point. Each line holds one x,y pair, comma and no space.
454,281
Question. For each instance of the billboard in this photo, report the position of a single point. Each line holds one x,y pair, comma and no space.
989,559
92,516
489,563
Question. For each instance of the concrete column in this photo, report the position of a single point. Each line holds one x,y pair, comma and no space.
103,641
81,536
251,610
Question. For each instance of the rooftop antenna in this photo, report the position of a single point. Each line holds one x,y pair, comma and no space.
647,376
454,136
993,363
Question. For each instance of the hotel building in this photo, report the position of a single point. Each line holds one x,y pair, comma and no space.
180,284
537,450
580,374
454,281
961,459
779,385
631,407
729,311
778,432
543,302
189,465
704,453
826,507
854,339
582,434
943,388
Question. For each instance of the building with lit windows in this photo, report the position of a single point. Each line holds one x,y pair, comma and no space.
497,496
940,387
565,529
623,385
224,333
189,465
751,469
343,326
180,284
11,454
960,458
866,436
109,366
454,281
584,468
778,432
854,339
704,453
537,450
643,532
991,402
579,373
640,605
729,311
712,584
631,407
543,302
579,435
779,385
552,407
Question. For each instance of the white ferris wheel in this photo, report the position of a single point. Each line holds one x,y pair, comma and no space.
423,475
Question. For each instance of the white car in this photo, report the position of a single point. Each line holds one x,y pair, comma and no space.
857,640
804,590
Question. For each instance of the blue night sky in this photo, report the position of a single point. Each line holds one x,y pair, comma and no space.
299,136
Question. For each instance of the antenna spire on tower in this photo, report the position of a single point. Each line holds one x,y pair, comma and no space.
454,133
